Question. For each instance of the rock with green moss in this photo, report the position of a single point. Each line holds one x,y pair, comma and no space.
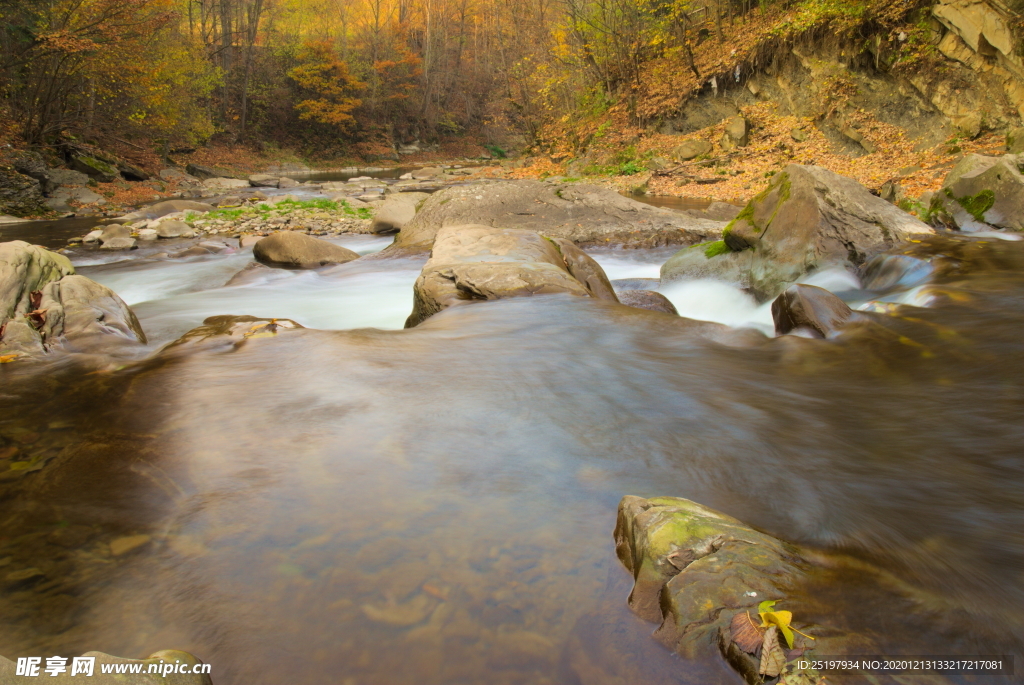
696,570
709,260
94,168
170,667
981,192
810,218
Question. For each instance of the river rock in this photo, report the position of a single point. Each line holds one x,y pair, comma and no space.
809,308
648,299
148,234
709,260
397,210
172,228
249,240
691,149
19,194
810,218
84,314
298,250
159,209
92,236
44,303
264,181
286,182
475,263
218,183
8,669
95,168
25,269
981,192
427,173
116,237
584,214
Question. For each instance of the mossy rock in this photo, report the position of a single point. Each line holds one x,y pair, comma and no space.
94,168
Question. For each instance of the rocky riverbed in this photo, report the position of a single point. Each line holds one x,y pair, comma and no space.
224,441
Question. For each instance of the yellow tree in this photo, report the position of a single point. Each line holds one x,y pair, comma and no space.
326,78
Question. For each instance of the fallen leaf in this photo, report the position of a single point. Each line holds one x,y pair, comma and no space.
747,635
773,659
7,358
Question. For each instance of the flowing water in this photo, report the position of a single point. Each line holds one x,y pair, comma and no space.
354,503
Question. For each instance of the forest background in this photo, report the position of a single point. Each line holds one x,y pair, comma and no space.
332,78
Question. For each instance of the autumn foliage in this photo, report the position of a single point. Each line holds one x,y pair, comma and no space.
331,86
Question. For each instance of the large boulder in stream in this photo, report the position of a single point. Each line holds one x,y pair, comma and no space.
809,308
174,659
709,260
290,249
982,192
43,304
583,214
397,210
475,263
806,220
702,575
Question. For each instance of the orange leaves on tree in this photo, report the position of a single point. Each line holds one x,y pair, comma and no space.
327,78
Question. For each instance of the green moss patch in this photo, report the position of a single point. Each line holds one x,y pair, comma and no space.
975,205
716,248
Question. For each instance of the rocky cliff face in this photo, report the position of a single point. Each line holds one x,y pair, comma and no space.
971,81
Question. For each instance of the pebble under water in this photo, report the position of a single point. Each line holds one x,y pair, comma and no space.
435,505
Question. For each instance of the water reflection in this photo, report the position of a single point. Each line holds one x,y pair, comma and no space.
436,505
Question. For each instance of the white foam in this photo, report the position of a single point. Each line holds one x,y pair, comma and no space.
721,302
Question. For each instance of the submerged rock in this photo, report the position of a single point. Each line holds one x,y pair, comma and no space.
810,218
584,214
648,299
298,250
810,308
474,263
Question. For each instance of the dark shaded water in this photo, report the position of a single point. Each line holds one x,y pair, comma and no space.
436,505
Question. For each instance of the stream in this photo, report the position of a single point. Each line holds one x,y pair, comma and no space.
360,504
